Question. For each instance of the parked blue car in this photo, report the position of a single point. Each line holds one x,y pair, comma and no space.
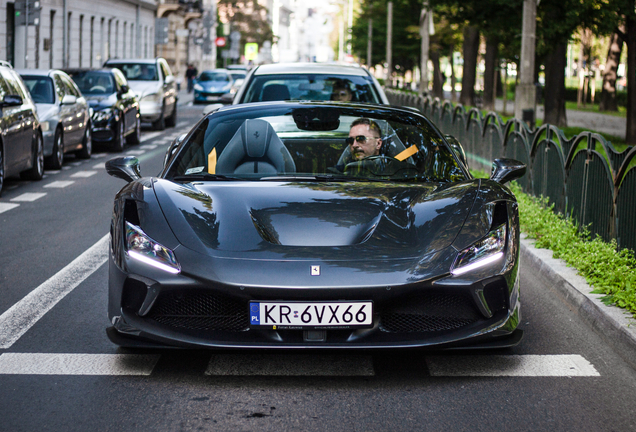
210,85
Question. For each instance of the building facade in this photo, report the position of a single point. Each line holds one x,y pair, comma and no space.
78,33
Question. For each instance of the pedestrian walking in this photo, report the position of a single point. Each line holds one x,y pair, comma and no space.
191,74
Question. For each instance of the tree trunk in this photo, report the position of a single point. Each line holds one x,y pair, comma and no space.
492,52
438,84
608,94
554,94
630,28
471,50
452,77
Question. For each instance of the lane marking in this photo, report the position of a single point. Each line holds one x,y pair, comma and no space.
98,155
290,365
99,166
148,146
149,136
7,206
59,184
84,174
77,364
511,365
20,317
28,197
135,152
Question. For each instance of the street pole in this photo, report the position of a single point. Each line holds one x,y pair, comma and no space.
425,43
389,44
525,92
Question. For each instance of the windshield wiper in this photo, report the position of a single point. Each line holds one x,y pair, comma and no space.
204,177
322,178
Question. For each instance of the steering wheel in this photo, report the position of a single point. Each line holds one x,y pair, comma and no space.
379,166
97,88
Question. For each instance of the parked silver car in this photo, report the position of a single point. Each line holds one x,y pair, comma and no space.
155,85
64,115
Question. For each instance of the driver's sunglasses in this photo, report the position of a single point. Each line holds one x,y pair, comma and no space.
359,138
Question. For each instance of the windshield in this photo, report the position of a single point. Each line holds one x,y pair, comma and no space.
315,87
238,75
324,143
41,88
137,71
94,82
214,76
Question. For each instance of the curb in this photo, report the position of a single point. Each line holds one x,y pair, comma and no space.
614,325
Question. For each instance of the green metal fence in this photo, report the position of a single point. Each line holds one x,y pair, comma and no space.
584,177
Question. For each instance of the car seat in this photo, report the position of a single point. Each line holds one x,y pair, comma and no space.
254,149
275,92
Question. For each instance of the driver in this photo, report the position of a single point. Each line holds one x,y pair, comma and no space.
364,139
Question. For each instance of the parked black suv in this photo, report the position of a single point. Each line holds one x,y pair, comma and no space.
21,149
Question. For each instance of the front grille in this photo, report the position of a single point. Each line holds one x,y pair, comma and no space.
429,312
200,311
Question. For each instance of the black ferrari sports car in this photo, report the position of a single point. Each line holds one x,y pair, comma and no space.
320,225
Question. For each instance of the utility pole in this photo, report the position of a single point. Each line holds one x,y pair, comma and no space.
389,44
526,93
209,35
424,33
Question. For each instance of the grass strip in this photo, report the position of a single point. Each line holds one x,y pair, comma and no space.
607,270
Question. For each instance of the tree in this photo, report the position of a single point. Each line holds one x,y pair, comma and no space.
608,93
249,18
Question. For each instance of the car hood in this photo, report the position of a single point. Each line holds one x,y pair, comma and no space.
215,85
143,88
98,102
261,220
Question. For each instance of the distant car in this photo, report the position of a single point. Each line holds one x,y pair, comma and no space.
116,118
310,81
64,115
21,148
155,85
211,85
314,225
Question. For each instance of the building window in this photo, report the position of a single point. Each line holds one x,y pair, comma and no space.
81,38
51,39
69,41
91,49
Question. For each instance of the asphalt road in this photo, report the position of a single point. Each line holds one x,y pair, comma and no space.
59,372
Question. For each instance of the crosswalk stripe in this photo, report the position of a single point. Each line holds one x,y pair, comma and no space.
149,136
290,365
77,364
99,166
569,365
28,197
83,174
20,317
7,206
59,184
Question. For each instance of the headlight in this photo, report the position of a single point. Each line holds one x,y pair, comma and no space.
102,115
198,87
142,248
45,126
152,97
485,251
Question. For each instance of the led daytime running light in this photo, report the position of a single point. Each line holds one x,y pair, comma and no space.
482,262
144,249
144,259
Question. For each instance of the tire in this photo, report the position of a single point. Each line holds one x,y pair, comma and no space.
37,170
1,167
56,160
87,144
172,120
160,123
118,140
135,137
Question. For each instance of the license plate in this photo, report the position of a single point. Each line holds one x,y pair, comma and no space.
311,315
212,98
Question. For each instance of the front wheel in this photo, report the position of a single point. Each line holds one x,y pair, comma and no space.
160,123
56,160
37,169
87,144
118,139
172,120
1,168
135,137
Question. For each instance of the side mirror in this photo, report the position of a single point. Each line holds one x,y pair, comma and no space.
125,168
169,79
173,148
69,100
211,108
457,148
227,98
11,100
124,89
505,170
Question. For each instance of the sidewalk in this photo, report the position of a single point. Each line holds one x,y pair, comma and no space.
614,325
605,123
